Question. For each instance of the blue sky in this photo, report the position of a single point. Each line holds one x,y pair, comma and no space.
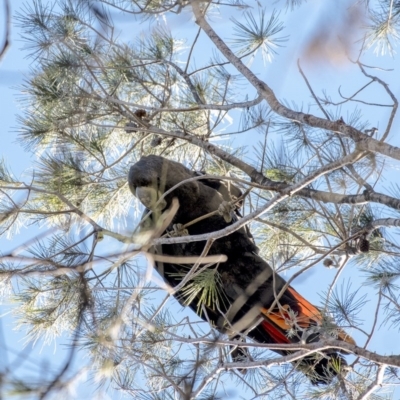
281,75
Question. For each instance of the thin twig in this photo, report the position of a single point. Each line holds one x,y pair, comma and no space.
311,90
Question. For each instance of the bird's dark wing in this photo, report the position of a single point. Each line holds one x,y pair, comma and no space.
246,285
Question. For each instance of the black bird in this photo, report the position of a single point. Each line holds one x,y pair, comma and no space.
245,285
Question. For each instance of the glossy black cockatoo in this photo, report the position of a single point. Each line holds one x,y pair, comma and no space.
246,284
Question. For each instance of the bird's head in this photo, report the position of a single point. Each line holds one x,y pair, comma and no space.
153,175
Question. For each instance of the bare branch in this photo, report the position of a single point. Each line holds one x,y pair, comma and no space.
363,141
375,384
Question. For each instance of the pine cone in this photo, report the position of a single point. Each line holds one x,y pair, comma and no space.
140,113
328,263
363,245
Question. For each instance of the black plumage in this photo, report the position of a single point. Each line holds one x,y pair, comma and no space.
247,285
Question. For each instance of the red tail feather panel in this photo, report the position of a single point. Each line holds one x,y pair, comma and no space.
277,321
307,310
276,335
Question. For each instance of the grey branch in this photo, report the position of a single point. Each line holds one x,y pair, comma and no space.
363,141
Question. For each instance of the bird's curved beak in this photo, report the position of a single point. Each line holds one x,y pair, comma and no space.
149,196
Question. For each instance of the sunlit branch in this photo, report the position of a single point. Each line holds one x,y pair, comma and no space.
363,141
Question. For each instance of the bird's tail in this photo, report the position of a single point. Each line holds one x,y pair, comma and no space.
295,319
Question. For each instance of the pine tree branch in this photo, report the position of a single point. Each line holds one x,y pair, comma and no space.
380,223
289,191
312,91
389,92
320,346
364,142
375,384
267,184
221,107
